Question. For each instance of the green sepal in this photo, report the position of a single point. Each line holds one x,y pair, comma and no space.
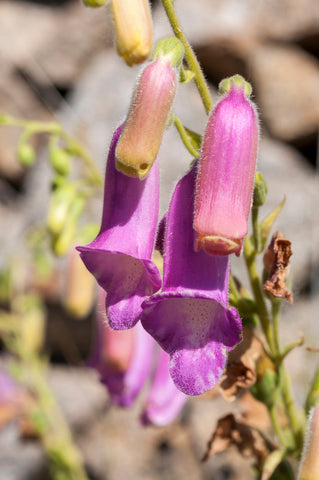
260,190
267,223
186,75
170,48
194,138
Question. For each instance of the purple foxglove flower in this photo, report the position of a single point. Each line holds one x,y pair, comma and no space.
120,256
190,318
144,127
226,171
124,359
164,401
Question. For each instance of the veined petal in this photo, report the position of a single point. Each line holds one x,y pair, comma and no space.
190,318
120,256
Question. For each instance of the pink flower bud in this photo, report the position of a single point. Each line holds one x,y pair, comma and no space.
133,29
309,467
226,171
143,130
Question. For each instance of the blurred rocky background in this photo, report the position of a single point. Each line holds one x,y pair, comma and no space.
58,62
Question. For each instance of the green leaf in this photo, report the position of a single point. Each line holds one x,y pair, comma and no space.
267,223
271,463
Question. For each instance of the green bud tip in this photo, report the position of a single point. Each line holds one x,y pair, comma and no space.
260,190
236,81
26,154
60,161
170,48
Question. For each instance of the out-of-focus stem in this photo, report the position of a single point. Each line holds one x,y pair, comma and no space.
190,56
54,128
66,463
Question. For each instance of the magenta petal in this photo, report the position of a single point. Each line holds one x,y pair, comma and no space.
120,256
190,318
163,402
124,387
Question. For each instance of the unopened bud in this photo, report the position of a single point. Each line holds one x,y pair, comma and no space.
226,171
260,190
309,467
26,154
61,200
60,161
133,29
143,130
65,239
80,286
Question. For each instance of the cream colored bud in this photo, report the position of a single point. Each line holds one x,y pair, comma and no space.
133,29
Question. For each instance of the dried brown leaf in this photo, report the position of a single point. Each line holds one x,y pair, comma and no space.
276,261
249,441
240,371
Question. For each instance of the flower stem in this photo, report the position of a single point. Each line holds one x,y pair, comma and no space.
190,56
183,134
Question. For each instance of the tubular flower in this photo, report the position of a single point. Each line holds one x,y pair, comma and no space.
190,318
144,127
133,29
226,171
120,255
125,361
309,466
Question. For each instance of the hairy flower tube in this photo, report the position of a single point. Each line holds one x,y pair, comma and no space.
309,466
126,361
226,171
190,318
133,29
120,255
144,127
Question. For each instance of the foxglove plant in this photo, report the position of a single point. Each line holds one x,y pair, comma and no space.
120,255
226,171
190,318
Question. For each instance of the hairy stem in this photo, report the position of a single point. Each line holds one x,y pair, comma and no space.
190,56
